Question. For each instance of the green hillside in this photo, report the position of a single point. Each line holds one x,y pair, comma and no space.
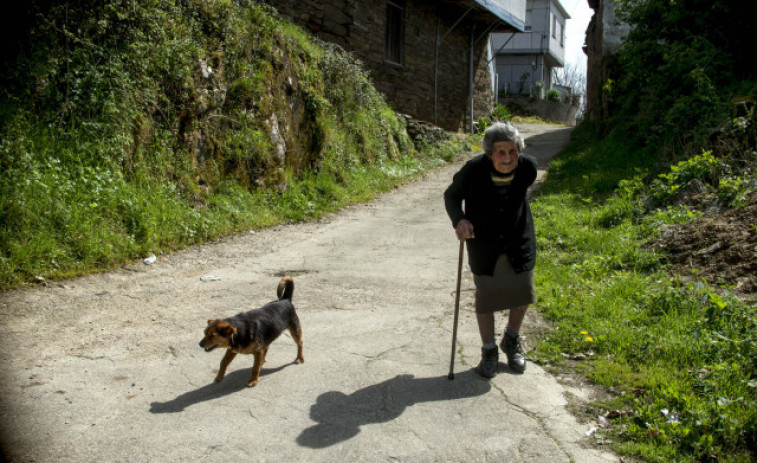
129,128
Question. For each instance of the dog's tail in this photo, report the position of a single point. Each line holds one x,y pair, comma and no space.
286,288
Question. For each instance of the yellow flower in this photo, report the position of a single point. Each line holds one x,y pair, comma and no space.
589,338
584,333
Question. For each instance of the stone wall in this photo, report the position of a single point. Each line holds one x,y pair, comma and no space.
545,109
603,38
359,27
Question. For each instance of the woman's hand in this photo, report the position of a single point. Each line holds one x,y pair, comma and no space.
464,230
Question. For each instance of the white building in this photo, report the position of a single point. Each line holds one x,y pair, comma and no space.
524,60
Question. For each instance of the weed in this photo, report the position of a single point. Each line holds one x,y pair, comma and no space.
143,128
678,353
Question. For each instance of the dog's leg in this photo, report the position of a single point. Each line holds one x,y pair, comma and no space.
225,361
296,333
259,360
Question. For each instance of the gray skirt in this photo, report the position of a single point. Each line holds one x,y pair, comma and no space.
505,289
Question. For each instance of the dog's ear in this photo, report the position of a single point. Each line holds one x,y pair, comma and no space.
229,331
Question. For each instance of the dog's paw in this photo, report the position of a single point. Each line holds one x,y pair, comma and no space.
218,379
299,360
252,383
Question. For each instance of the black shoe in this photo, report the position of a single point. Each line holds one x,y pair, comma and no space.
516,359
489,362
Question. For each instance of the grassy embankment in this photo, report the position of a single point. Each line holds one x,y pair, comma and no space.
677,354
135,128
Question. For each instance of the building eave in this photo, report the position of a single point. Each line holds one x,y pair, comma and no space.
502,15
550,58
561,8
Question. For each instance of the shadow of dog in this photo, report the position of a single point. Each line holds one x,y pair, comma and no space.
234,382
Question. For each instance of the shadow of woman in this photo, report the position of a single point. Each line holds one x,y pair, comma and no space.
233,382
340,416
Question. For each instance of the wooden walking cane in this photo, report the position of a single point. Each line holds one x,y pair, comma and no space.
451,374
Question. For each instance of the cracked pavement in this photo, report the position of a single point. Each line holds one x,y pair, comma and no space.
108,367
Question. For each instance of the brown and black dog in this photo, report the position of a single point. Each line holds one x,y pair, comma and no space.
252,332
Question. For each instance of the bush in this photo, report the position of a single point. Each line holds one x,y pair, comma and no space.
554,95
678,354
677,71
134,127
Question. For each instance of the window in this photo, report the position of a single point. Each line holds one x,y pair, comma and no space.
395,31
562,35
554,26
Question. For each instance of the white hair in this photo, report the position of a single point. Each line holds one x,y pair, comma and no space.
502,131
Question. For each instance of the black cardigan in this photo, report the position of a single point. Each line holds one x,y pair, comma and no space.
502,223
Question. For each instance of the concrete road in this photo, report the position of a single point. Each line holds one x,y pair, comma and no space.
108,368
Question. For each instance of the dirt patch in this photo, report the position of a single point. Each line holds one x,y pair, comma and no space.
721,248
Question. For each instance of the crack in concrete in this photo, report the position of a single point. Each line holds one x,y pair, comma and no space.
375,357
539,420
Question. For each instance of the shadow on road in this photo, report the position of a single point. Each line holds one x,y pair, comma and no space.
233,382
340,416
545,146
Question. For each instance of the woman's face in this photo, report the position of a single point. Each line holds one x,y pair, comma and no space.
505,156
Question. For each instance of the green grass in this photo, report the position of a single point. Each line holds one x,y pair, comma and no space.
678,355
96,170
124,133
57,222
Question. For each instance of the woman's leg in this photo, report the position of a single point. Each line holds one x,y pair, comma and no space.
486,323
516,358
515,318
486,327
489,352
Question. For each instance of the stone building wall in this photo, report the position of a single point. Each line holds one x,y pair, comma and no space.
359,27
593,51
603,38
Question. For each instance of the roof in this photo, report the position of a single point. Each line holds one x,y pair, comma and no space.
561,8
495,8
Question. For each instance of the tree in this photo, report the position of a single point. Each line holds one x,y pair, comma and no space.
678,69
572,76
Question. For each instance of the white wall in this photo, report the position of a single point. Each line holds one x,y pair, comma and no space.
532,54
539,16
557,19
517,8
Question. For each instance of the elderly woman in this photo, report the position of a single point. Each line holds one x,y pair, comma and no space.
499,232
